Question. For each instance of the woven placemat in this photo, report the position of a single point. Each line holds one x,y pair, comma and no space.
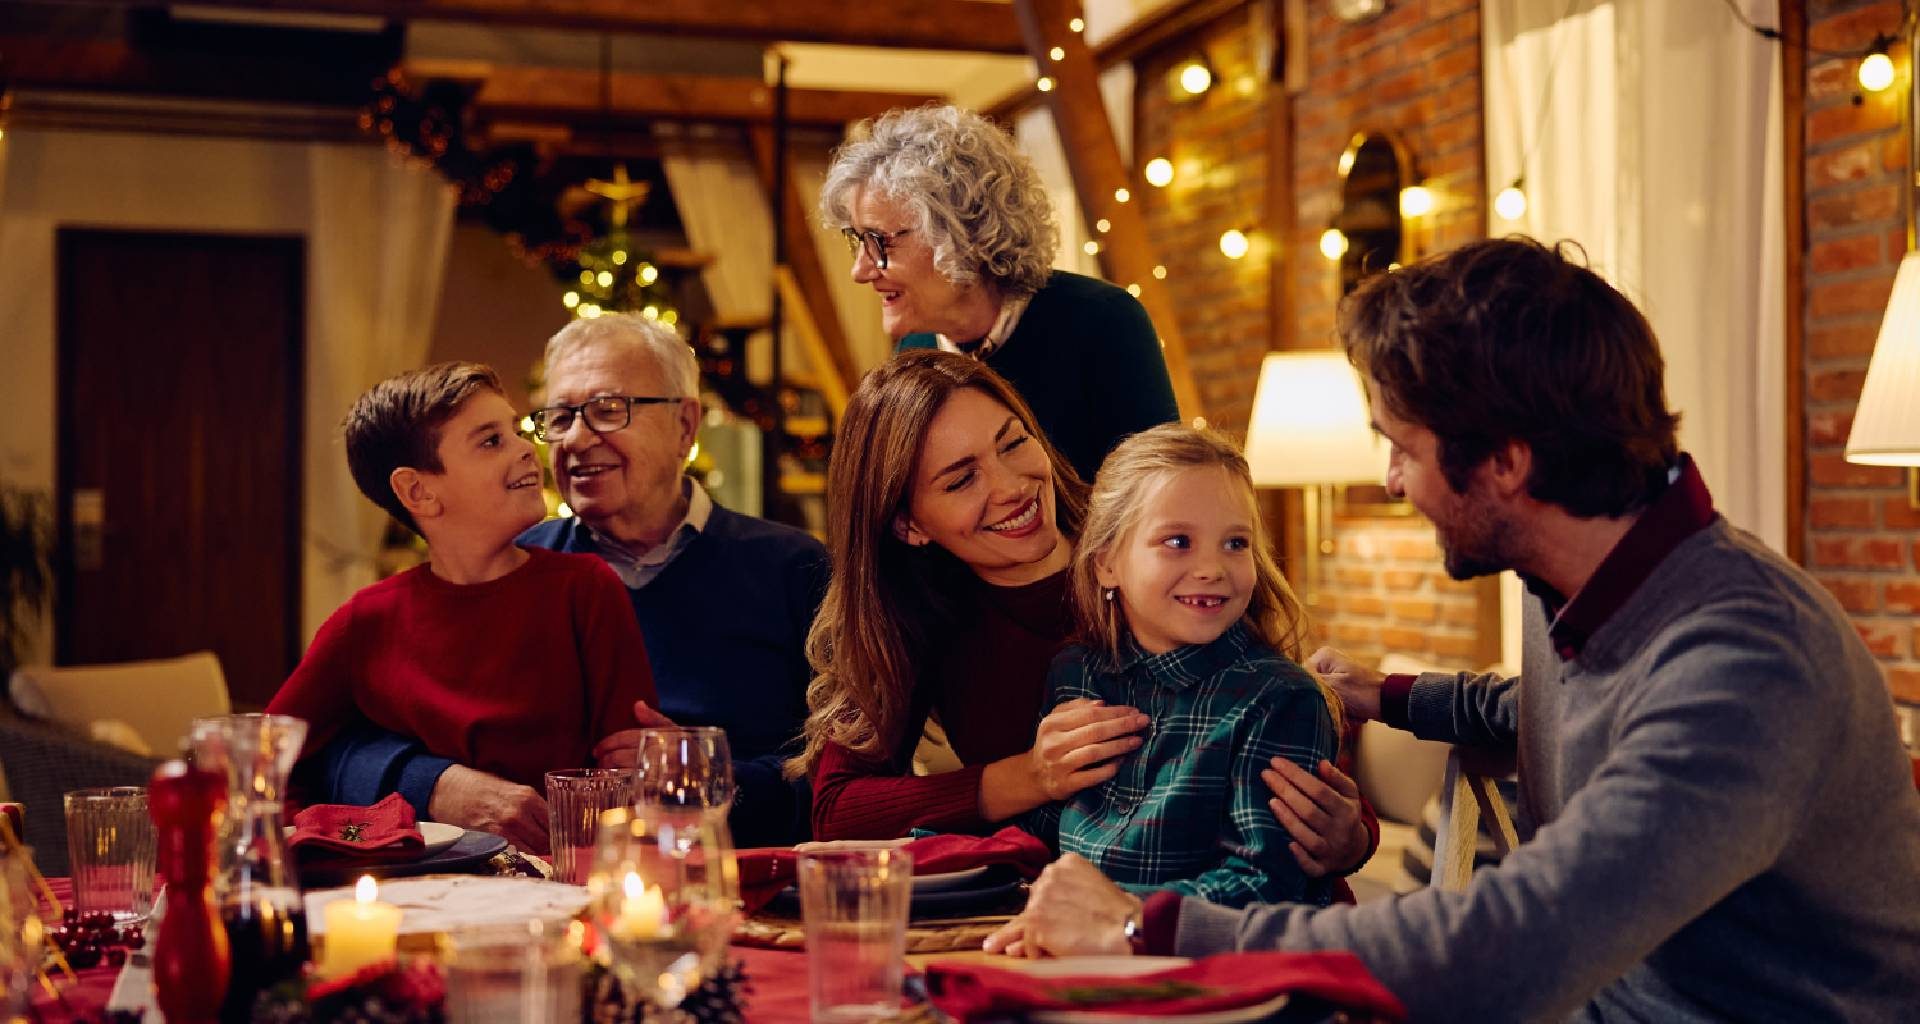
938,936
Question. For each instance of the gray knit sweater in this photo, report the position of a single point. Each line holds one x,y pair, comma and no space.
1724,825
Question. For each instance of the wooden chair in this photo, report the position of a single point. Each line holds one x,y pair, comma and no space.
1469,793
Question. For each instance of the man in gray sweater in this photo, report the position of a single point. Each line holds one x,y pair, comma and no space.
1719,820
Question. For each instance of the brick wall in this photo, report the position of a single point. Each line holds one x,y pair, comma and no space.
1414,72
1862,540
1218,143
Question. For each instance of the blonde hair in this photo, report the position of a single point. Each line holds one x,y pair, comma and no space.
1138,467
888,601
977,199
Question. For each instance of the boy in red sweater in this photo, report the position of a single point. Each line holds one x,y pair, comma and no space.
511,662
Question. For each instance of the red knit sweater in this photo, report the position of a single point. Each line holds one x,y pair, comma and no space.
515,676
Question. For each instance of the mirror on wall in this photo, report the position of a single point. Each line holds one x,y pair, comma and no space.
1373,170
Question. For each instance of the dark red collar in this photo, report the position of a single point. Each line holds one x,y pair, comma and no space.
1682,510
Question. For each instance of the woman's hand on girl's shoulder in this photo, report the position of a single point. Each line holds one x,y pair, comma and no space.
1078,745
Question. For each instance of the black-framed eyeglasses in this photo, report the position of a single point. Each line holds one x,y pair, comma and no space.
604,414
875,242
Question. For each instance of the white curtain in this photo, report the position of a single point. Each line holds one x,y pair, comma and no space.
376,252
1659,150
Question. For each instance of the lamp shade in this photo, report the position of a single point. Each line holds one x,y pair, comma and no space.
1886,426
1310,424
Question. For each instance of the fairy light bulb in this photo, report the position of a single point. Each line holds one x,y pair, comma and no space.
1234,244
1416,201
1511,203
1333,243
1876,72
1159,172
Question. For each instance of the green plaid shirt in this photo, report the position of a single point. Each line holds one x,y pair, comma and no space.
1188,811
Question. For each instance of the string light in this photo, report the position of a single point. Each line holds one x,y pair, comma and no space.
1044,83
1134,290
1103,225
1159,272
1511,203
1192,76
1234,244
1091,248
1333,243
1876,68
1159,172
571,300
1121,195
1416,201
1077,25
1057,53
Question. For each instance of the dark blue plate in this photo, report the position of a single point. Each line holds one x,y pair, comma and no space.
469,852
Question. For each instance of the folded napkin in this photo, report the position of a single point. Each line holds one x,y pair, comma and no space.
971,991
766,871
385,831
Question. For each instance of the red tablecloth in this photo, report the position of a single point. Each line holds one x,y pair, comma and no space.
778,979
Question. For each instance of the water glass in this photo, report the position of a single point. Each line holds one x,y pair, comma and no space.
854,904
110,847
575,798
689,766
662,896
529,972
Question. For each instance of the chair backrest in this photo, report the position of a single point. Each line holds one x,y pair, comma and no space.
1398,771
156,700
1467,795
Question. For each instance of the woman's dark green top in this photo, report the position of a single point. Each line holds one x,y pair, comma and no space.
1085,357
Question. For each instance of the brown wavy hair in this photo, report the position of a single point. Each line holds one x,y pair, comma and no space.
1508,339
889,602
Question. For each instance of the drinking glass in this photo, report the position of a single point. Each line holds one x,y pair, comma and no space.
575,799
528,972
22,932
854,905
687,766
110,850
662,896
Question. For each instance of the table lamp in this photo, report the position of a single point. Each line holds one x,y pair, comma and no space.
1310,429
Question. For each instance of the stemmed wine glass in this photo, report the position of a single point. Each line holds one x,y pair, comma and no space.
684,766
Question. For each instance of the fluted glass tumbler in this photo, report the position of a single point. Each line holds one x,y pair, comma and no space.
110,849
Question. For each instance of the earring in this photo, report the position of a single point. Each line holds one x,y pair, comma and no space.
1109,593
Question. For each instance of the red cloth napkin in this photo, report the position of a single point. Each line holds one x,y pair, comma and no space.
767,870
385,831
970,991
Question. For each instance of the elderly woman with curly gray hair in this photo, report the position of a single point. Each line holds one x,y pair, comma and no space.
951,227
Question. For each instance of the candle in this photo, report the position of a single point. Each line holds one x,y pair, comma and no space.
643,914
359,932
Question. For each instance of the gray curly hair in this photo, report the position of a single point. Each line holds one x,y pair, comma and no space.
977,199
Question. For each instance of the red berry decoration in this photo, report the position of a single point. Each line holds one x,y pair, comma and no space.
133,937
117,956
83,956
70,917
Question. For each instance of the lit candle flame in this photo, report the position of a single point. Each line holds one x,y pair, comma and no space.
365,892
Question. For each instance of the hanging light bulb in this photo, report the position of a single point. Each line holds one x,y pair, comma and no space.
1077,25
1044,83
1057,53
1193,76
1234,244
1091,248
1876,68
1103,225
1416,201
1159,172
1333,243
1511,203
1121,195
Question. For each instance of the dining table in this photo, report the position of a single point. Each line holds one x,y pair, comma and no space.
776,990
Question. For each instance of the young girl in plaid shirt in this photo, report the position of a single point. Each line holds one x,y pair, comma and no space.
1185,615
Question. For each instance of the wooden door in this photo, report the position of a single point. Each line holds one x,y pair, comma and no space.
179,422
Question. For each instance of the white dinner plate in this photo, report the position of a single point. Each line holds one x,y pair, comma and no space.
436,836
1129,967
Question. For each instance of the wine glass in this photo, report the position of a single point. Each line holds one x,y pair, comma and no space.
684,766
662,896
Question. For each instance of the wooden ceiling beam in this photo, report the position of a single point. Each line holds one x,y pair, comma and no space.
1100,177
574,96
1149,33
803,262
967,25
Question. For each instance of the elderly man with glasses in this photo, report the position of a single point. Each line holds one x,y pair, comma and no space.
723,599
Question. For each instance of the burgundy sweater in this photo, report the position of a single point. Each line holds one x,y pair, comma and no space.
987,683
515,676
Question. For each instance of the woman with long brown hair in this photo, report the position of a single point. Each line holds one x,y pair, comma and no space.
951,521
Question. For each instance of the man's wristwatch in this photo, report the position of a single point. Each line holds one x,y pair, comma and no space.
1135,932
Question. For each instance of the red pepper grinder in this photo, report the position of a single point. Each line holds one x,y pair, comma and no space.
190,958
